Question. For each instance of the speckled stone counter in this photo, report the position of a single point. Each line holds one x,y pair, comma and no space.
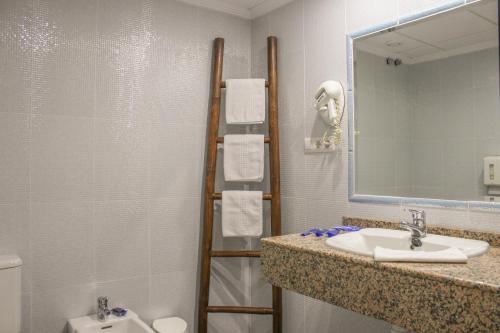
425,298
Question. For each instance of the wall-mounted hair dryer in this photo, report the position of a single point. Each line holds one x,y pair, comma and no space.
329,101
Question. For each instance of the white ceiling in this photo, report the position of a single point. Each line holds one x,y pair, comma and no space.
247,9
469,28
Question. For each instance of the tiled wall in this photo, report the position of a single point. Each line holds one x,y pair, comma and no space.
103,108
456,116
312,49
442,114
383,127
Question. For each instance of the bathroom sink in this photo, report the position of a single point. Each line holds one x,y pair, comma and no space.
366,240
130,323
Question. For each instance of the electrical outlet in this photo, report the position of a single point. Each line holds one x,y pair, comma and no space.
315,145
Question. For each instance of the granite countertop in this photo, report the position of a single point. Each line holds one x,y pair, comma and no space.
445,297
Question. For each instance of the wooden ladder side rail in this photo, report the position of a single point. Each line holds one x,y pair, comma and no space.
210,196
274,160
208,216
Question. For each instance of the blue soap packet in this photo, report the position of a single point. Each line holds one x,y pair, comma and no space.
330,232
119,312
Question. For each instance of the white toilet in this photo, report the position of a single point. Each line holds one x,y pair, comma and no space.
10,289
170,325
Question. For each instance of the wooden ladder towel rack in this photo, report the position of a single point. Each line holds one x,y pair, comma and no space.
210,195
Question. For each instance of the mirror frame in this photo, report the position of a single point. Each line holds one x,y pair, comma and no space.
393,200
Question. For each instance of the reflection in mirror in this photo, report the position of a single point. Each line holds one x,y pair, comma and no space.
427,113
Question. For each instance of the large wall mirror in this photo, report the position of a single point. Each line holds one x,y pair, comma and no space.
425,111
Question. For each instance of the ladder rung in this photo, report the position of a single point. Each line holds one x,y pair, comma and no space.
240,309
223,84
220,139
235,254
265,196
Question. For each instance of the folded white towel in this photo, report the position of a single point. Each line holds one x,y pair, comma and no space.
245,101
452,255
242,214
244,158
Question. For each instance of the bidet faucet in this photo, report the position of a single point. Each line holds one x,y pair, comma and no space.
418,227
102,308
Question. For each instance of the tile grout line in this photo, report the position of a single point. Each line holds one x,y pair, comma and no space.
94,216
30,170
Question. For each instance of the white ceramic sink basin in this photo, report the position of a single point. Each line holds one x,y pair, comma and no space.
363,242
127,324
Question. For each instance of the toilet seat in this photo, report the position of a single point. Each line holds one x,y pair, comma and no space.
170,325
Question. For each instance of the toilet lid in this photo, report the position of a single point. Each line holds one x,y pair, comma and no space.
170,325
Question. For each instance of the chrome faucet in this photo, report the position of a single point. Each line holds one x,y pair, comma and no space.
102,308
417,227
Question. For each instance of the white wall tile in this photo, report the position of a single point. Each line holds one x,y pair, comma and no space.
177,96
486,116
174,294
64,58
174,228
172,23
62,158
292,161
260,32
51,309
430,153
485,68
288,25
408,7
16,55
293,310
457,111
428,117
130,294
221,322
434,117
291,88
426,77
14,157
323,21
456,73
262,324
57,226
318,183
121,159
323,317
94,76
176,160
361,14
122,245
293,219
322,213
123,59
